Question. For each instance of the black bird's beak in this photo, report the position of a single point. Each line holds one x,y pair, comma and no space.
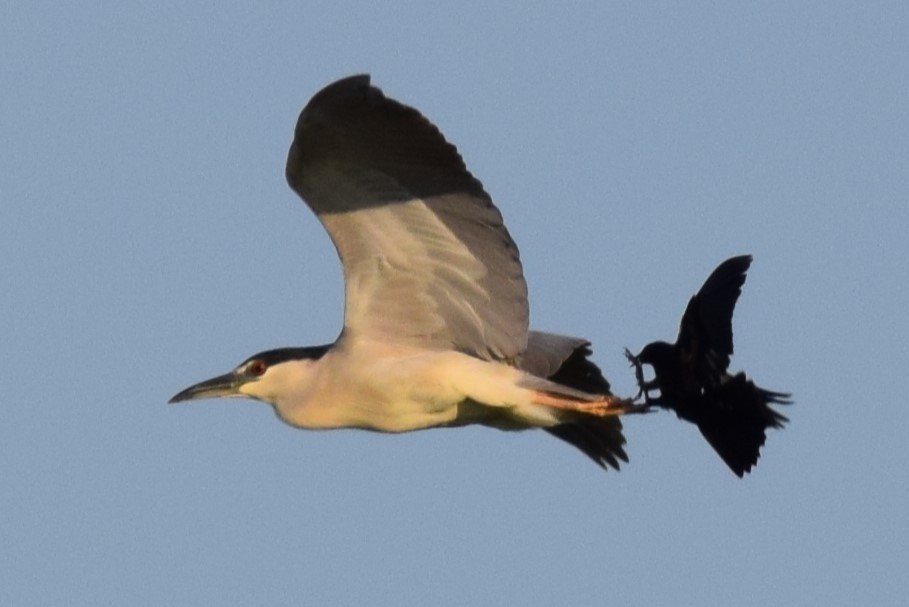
216,387
632,358
638,375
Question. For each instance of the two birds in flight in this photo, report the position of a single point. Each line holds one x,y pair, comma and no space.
436,319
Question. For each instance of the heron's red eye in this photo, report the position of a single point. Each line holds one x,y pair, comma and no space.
256,368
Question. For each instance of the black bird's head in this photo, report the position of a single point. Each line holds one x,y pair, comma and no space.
659,355
664,360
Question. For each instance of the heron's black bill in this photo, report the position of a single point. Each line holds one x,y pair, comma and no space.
223,385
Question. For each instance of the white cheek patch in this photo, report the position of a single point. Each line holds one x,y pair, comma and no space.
283,384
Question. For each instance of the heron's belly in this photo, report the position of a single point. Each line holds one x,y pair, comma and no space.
409,389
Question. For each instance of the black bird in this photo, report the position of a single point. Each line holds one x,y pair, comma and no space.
731,412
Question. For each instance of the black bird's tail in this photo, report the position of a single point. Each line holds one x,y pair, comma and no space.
735,417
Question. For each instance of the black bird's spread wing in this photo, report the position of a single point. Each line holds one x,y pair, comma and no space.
705,333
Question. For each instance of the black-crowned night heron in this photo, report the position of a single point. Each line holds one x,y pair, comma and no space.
436,315
691,374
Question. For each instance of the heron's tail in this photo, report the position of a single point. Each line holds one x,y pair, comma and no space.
599,438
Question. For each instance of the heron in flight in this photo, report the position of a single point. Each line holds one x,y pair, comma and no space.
436,327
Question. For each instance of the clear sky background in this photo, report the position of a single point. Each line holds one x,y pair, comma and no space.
148,240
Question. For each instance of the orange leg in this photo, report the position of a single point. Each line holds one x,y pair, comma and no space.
604,406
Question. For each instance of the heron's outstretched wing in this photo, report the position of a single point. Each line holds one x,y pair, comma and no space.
705,334
426,256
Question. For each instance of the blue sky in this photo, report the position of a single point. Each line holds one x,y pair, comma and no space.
148,240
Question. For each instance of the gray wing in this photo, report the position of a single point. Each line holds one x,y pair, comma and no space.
426,256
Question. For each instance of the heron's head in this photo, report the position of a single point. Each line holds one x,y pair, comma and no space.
271,376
